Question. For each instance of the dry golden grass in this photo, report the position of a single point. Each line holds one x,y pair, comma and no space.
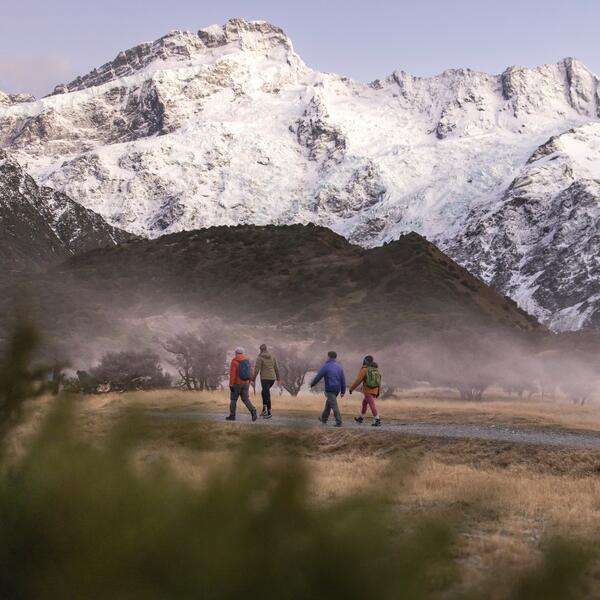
535,412
497,410
503,515
504,512
336,476
561,500
559,484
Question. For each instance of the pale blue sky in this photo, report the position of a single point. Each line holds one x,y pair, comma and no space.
44,42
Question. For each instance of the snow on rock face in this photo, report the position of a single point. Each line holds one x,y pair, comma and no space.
176,45
8,99
541,242
325,142
40,225
254,36
552,88
229,126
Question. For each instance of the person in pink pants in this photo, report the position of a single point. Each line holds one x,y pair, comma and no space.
369,393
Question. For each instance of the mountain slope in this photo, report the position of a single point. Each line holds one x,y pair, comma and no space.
229,126
541,242
41,226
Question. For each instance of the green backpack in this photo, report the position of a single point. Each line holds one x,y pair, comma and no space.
373,377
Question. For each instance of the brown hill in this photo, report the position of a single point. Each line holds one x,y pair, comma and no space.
292,281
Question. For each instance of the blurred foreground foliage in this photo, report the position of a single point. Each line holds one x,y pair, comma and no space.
79,521
18,380
84,521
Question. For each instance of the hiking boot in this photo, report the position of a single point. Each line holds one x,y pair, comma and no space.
338,424
254,415
359,419
267,416
376,423
321,420
230,418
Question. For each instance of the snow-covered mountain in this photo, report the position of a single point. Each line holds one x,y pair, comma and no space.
229,126
41,226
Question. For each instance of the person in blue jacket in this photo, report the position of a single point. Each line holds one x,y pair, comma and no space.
335,383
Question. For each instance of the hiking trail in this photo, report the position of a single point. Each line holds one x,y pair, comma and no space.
494,433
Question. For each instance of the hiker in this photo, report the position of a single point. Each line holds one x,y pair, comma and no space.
240,376
266,366
335,383
370,377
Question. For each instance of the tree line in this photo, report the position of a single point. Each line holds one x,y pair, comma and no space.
546,366
199,361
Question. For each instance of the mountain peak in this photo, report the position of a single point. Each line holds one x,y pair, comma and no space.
248,35
180,46
574,63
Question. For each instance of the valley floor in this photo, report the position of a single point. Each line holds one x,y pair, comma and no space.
506,497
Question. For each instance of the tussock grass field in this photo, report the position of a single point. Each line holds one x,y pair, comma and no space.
507,499
416,406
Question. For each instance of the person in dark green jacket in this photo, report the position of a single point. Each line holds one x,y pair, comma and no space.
266,366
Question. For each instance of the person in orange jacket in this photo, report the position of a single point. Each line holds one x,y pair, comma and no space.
370,393
240,377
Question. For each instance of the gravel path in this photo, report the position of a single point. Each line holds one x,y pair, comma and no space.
500,433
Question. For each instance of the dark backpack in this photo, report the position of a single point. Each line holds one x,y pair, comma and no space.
373,377
245,370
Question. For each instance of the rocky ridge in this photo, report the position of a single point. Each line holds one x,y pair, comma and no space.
41,226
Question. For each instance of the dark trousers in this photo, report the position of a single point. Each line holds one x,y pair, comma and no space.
265,392
331,404
237,390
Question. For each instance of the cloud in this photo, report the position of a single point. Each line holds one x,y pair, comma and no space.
35,75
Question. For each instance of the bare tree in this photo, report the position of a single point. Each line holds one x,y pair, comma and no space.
200,361
293,365
124,371
473,391
182,347
210,366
